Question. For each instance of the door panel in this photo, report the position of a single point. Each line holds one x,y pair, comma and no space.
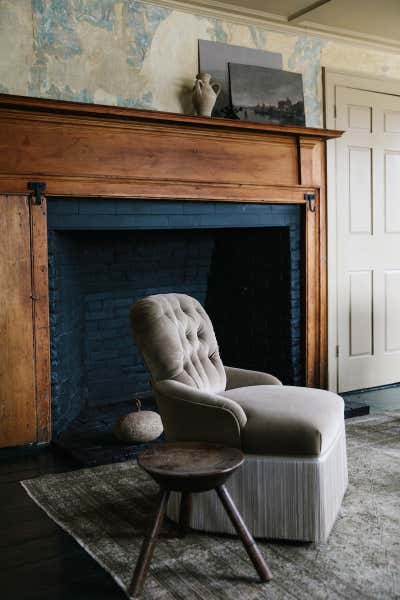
360,193
392,191
368,238
17,377
392,121
392,311
360,304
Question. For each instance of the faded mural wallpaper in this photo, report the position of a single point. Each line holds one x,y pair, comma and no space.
138,54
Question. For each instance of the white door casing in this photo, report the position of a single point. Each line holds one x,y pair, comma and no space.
364,237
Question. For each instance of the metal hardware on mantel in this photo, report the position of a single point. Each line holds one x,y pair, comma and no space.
310,199
38,189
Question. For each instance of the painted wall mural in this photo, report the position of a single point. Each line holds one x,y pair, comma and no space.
130,53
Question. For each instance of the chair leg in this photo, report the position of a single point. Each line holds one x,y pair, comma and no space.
244,534
147,550
185,512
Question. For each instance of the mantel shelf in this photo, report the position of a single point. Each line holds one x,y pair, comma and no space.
99,111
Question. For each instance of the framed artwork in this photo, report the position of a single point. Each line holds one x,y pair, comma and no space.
266,95
214,58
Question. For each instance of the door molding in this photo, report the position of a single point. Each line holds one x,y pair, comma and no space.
331,79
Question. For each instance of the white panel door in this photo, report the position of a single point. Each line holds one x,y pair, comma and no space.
368,238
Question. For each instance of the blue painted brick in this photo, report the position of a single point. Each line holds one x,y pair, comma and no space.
94,282
229,208
221,220
100,207
199,208
65,206
154,221
98,315
184,221
164,207
114,323
129,207
93,305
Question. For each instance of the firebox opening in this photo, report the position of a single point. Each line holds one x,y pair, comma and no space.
247,278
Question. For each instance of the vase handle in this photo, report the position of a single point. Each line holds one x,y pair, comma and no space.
216,87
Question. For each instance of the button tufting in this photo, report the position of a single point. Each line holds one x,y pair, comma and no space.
183,321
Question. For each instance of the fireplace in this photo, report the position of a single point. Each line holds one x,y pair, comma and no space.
53,148
241,261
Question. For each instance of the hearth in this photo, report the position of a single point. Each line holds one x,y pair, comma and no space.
241,261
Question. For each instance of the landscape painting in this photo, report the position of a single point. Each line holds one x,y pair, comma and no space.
214,58
266,95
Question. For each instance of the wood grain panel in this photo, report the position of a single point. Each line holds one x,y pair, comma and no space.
132,150
41,327
312,299
322,276
98,187
25,104
17,374
309,174
313,173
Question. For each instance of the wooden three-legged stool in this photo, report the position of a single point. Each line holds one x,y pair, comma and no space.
189,468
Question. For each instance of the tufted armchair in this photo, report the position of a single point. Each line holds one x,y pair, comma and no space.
178,344
298,430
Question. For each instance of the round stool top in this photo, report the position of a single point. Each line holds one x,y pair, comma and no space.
190,461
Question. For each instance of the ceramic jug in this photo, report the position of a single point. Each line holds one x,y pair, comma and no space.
205,94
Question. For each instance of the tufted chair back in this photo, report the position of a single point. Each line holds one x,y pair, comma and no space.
177,341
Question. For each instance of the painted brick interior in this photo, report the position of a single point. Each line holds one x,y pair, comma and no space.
66,325
242,261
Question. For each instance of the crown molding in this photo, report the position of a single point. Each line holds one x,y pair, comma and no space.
355,37
245,16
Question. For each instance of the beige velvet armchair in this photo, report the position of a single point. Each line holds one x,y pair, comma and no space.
293,437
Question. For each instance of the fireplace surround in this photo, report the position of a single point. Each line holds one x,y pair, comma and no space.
52,149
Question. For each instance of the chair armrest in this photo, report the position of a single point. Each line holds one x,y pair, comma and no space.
191,415
237,378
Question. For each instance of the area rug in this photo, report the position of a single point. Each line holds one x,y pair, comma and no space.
106,509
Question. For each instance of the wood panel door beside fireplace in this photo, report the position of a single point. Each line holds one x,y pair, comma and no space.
23,321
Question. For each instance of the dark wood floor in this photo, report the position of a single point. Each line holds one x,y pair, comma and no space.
37,559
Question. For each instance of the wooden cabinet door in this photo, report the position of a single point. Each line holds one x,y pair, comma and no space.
20,379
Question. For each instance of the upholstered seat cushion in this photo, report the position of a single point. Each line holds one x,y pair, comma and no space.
286,420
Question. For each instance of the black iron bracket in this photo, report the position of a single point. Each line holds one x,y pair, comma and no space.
38,189
310,199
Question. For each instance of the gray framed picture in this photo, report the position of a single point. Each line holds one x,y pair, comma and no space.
266,95
214,58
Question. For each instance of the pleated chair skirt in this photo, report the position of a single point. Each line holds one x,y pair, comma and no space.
291,498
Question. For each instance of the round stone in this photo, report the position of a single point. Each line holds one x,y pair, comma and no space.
141,426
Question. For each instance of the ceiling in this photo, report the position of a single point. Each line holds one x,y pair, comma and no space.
376,21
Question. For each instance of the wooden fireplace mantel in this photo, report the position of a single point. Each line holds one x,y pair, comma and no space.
102,151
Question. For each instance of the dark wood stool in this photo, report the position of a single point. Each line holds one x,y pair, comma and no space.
189,468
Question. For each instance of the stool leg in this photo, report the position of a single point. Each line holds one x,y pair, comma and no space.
244,534
185,512
147,550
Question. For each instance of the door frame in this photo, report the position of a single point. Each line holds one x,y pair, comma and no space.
332,78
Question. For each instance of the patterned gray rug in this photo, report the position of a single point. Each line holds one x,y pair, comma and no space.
105,509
